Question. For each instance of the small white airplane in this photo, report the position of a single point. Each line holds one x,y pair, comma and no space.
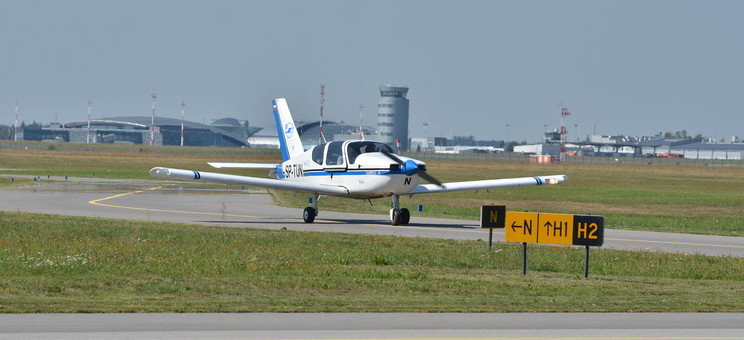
358,169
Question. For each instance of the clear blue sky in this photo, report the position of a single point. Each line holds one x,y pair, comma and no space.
626,67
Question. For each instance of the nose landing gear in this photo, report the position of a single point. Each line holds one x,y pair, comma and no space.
308,215
399,216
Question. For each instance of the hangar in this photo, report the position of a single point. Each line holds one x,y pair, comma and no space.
226,132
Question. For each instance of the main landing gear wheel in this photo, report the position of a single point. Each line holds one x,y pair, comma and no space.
400,216
309,214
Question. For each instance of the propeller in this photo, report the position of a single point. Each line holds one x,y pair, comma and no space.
410,167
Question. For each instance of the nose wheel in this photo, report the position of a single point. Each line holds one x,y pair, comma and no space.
399,216
309,214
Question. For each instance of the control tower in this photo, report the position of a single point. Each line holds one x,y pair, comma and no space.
392,115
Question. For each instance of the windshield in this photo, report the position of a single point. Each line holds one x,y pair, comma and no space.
354,149
334,155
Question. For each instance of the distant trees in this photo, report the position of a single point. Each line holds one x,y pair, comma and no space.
676,135
680,135
698,137
510,145
32,126
6,132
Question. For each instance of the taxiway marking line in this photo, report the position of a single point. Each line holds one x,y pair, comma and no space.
98,202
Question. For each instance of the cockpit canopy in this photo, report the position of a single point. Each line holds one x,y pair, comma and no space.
333,155
354,149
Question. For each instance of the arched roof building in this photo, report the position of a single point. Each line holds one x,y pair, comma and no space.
136,130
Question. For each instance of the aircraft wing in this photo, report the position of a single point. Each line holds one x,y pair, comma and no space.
242,165
488,184
168,173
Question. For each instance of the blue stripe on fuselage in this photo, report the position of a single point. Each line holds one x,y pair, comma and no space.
321,173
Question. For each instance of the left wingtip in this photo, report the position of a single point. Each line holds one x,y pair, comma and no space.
159,172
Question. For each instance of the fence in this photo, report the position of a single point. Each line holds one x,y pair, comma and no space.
522,158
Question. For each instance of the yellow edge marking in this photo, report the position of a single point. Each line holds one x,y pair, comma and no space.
98,202
569,338
681,243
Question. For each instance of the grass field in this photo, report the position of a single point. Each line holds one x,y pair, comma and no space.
72,264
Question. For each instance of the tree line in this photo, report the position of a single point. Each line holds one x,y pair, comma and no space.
8,131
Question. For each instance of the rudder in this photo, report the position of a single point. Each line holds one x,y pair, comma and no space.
289,138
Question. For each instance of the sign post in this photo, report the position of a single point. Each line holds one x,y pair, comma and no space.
492,216
586,262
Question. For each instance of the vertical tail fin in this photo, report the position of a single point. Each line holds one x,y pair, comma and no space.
289,138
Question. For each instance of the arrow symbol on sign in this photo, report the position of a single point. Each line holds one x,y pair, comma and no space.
514,226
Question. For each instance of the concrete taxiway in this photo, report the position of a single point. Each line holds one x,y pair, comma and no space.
151,201
578,326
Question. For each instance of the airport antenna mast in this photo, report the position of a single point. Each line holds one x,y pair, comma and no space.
564,132
152,121
183,108
15,130
87,131
361,130
321,137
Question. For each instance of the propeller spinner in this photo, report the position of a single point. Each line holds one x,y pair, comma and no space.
410,167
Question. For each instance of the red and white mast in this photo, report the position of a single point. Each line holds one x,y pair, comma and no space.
15,131
321,137
361,131
564,132
183,107
87,132
152,121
